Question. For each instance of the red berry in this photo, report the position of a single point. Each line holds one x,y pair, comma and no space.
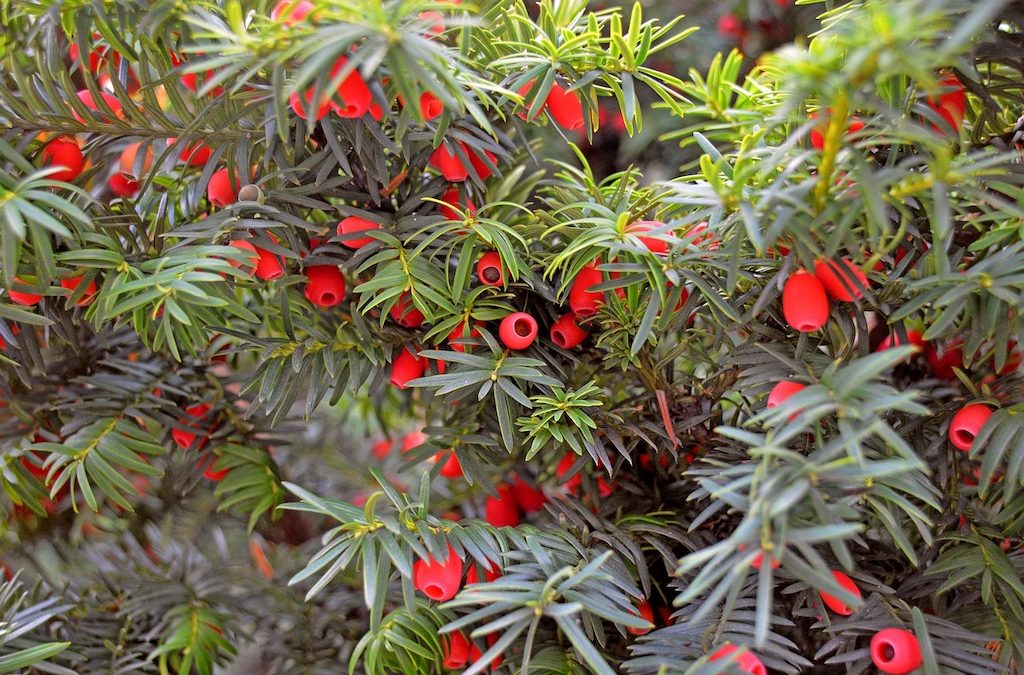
451,468
354,224
21,297
490,574
109,100
895,651
73,283
123,187
406,366
458,334
518,330
405,313
731,26
382,448
804,303
502,511
64,152
841,278
431,106
446,160
221,190
566,332
352,98
835,604
251,259
565,108
195,154
300,103
582,301
943,362
747,661
438,580
524,91
645,612
489,269
572,485
451,198
783,390
434,21
128,162
97,55
455,650
291,12
893,339
759,559
325,286
967,423
269,266
653,243
951,105
529,498
184,438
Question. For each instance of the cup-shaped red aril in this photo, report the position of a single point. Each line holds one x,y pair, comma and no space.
452,199
804,303
354,224
653,243
300,104
783,390
123,187
451,468
942,360
489,269
582,301
352,99
455,650
524,91
269,266
184,438
645,612
439,580
72,284
503,510
518,330
841,278
967,424
448,162
252,258
63,152
291,12
566,332
406,366
834,603
325,285
529,498
565,107
195,154
895,651
951,105
746,662
458,334
109,100
222,189
22,297
405,313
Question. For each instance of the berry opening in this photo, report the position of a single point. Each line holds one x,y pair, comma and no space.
964,437
586,311
522,327
434,592
491,275
327,298
883,652
558,337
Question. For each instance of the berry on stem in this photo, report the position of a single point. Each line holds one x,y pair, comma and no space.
747,661
222,188
967,424
455,650
645,612
783,390
518,330
841,278
489,269
503,510
565,107
834,603
566,332
438,580
582,301
325,285
407,366
804,303
354,224
72,283
123,187
63,152
895,651
405,313
22,297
